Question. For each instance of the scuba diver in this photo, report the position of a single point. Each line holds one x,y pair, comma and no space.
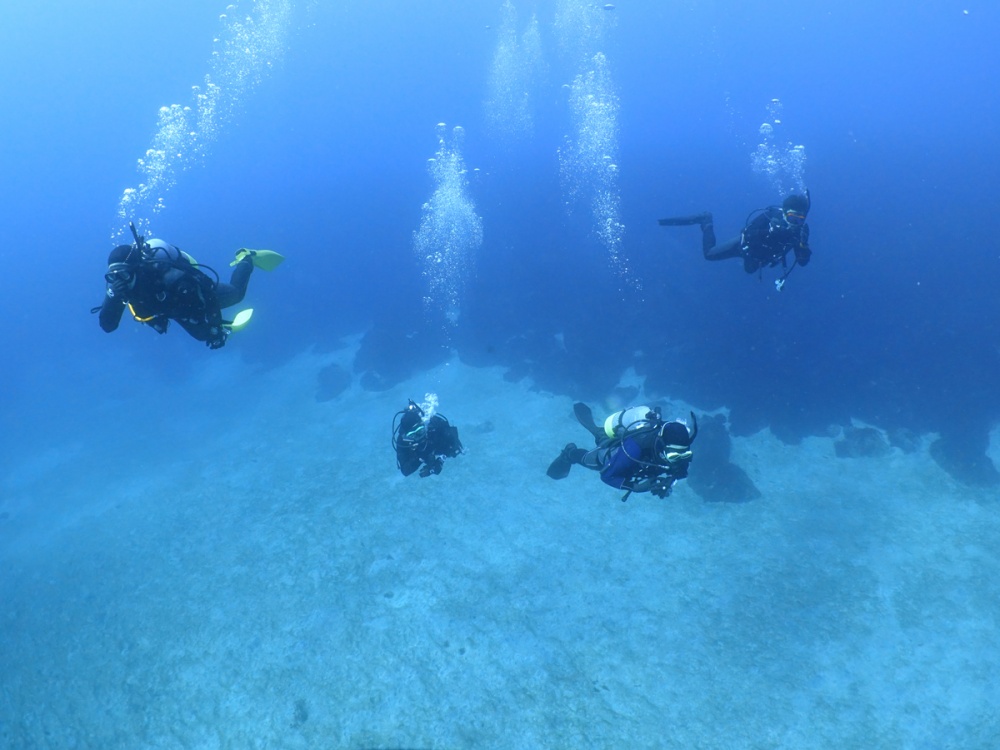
636,450
158,282
423,442
768,235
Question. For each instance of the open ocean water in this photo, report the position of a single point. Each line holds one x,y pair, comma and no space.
214,549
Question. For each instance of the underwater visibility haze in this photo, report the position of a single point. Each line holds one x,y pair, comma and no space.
213,548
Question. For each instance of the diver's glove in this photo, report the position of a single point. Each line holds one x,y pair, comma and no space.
117,291
218,341
118,286
662,487
432,467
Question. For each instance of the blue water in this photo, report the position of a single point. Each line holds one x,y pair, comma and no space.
324,157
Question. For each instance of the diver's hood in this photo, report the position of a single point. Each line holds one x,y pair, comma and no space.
122,254
677,434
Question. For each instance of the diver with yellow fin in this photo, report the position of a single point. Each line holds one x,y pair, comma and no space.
158,283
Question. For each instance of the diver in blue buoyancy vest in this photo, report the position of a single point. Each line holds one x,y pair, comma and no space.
636,450
158,283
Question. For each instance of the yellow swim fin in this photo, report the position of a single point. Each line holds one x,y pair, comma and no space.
241,320
266,260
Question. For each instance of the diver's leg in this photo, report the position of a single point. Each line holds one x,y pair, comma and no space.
685,221
199,330
233,293
729,249
594,459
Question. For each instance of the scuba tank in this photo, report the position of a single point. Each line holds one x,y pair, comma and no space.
629,420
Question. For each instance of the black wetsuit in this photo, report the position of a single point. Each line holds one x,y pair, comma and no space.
423,445
765,241
168,286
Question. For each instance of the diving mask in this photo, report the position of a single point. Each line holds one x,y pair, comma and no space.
120,278
795,218
674,453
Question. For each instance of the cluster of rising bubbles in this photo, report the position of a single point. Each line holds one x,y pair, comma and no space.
450,231
588,165
429,406
781,162
251,40
517,71
581,28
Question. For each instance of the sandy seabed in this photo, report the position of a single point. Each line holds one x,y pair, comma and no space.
266,578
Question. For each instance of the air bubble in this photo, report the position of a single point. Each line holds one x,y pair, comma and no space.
450,231
246,49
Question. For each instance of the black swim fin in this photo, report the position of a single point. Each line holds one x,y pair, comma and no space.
586,417
559,469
